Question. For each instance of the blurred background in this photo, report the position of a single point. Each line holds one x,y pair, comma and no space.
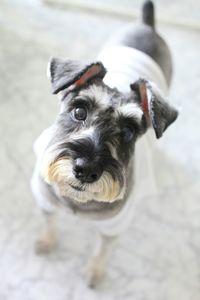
159,256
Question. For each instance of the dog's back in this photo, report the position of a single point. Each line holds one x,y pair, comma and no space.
144,38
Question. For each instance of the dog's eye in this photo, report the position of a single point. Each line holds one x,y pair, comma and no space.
80,113
127,134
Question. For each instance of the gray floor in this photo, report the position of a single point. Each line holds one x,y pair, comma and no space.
159,257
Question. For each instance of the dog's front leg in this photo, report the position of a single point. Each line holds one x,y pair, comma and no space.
97,263
48,238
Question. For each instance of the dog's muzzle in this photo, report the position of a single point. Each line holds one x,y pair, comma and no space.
84,170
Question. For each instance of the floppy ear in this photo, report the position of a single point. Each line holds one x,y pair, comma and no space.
157,111
72,74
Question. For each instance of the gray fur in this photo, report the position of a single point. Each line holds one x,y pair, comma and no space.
148,17
64,73
161,114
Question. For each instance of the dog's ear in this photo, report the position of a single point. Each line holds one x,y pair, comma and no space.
157,111
72,74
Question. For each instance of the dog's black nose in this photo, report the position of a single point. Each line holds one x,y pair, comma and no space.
87,171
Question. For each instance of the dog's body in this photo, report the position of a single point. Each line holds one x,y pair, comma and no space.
85,160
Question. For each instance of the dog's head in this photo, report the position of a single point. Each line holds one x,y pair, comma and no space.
90,154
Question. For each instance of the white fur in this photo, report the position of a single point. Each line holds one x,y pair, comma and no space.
131,110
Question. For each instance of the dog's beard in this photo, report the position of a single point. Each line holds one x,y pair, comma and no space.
59,172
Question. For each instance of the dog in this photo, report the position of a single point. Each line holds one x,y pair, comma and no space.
86,161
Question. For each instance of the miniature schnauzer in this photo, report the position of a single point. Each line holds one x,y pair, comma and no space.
85,160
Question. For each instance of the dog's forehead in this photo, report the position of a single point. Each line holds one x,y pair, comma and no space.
101,95
106,97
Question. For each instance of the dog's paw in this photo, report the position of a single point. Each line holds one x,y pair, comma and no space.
44,246
95,271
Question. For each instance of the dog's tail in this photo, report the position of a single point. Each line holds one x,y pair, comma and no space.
148,13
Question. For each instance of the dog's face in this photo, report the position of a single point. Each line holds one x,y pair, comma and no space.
90,154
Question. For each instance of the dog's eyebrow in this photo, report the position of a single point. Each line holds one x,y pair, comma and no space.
131,110
83,100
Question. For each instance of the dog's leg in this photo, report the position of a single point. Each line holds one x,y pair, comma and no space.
97,263
48,239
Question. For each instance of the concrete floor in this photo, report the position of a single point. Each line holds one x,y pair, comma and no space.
159,257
